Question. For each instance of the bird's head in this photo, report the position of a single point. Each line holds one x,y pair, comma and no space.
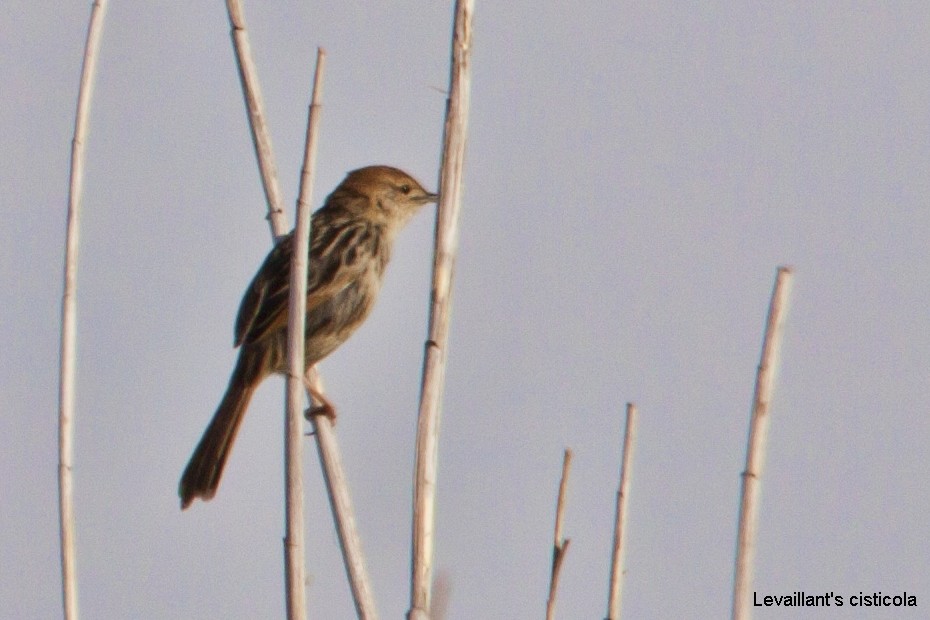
381,193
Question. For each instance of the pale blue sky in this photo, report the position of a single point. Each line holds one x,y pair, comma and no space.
635,173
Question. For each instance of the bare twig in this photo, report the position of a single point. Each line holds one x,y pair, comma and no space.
296,362
755,453
313,123
559,544
450,195
343,515
623,494
69,319
328,447
255,107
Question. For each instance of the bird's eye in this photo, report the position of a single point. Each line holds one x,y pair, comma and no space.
405,189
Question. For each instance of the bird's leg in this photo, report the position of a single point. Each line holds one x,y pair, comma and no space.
325,407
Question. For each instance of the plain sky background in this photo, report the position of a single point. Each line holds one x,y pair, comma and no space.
635,173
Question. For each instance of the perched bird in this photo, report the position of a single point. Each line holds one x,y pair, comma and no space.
350,245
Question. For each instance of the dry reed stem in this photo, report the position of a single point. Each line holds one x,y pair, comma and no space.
623,494
326,441
334,476
255,108
559,544
68,344
446,241
755,453
343,515
297,309
328,447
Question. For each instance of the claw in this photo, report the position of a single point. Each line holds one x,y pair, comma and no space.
324,408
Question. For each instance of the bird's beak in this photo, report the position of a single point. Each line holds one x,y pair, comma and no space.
427,198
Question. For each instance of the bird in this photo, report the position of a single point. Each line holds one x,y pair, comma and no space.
351,237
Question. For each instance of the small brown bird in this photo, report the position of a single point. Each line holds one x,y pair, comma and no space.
350,245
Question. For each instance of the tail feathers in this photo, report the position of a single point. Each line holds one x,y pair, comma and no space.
202,475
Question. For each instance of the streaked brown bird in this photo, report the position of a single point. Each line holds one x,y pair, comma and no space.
350,245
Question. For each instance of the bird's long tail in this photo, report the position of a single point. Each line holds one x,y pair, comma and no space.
202,475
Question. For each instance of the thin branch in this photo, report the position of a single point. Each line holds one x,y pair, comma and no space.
328,448
296,365
69,319
255,107
313,123
559,544
446,241
755,453
623,494
326,442
343,514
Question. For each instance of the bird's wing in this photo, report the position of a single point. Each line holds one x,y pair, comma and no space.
264,305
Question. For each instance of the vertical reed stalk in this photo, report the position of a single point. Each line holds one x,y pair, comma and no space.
623,495
67,360
559,543
755,453
255,107
296,362
446,242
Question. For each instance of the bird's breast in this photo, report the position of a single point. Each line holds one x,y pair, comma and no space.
333,321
